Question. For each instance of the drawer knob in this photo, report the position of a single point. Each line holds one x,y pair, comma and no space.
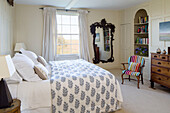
159,70
163,57
155,56
159,79
159,62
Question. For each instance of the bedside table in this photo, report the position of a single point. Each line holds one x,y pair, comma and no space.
14,108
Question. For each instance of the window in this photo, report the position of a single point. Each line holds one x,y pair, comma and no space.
67,34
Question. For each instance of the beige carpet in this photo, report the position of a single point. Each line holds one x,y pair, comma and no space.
145,99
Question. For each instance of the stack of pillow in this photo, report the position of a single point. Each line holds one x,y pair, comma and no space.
30,67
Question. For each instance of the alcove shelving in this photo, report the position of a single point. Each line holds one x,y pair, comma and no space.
141,35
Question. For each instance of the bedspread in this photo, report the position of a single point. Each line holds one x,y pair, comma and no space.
78,86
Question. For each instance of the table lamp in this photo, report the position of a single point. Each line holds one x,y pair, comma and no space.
7,69
18,47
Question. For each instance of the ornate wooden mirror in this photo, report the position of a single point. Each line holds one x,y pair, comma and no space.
102,41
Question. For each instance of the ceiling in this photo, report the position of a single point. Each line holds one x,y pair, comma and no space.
91,4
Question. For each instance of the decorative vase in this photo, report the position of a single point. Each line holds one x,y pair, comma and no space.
164,51
158,50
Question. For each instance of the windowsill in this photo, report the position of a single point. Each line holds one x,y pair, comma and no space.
67,57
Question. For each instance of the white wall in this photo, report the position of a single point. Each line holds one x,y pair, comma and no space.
29,29
6,28
111,17
158,11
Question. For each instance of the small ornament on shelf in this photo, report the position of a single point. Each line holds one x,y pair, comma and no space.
158,50
164,51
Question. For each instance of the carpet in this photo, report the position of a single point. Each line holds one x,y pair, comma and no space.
145,99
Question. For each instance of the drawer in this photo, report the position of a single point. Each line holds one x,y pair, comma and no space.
161,63
160,79
161,70
160,56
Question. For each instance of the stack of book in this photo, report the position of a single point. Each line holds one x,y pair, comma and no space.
143,19
142,40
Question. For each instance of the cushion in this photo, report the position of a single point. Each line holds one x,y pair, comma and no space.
41,71
30,54
42,60
137,59
24,67
15,78
134,67
127,72
48,67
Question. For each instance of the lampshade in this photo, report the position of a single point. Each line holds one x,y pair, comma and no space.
7,67
18,46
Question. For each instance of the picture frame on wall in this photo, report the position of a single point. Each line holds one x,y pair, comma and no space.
164,31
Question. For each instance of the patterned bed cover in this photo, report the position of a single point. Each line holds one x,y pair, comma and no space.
78,86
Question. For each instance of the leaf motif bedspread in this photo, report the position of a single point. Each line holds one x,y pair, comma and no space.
78,86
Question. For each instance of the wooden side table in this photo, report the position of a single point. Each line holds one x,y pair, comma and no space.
14,108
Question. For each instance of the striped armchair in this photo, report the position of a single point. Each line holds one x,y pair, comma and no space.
135,68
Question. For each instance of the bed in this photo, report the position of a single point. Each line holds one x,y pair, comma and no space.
74,86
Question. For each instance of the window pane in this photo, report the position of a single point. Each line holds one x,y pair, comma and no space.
68,34
59,39
59,49
66,49
66,39
75,49
65,19
74,20
59,29
58,19
65,29
75,39
74,30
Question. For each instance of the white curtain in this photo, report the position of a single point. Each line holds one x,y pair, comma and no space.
49,33
84,43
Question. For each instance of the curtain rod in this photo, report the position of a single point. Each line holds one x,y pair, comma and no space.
65,10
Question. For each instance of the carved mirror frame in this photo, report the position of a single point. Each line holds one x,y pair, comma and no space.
103,24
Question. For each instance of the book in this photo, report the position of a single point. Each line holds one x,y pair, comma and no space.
139,19
147,40
146,28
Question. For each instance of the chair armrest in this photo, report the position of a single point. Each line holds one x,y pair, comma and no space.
124,65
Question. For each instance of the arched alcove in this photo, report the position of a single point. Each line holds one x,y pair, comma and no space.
141,36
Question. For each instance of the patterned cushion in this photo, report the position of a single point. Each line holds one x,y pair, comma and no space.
127,72
137,59
134,67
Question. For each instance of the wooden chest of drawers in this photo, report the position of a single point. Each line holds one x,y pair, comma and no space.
160,69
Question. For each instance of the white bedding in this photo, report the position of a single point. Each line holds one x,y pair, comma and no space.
32,94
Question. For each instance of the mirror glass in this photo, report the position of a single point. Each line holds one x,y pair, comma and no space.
102,42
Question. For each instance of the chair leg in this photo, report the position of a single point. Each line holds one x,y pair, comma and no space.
138,77
129,77
142,78
122,78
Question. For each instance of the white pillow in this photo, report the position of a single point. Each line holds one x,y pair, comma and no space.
30,54
48,67
24,66
15,78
